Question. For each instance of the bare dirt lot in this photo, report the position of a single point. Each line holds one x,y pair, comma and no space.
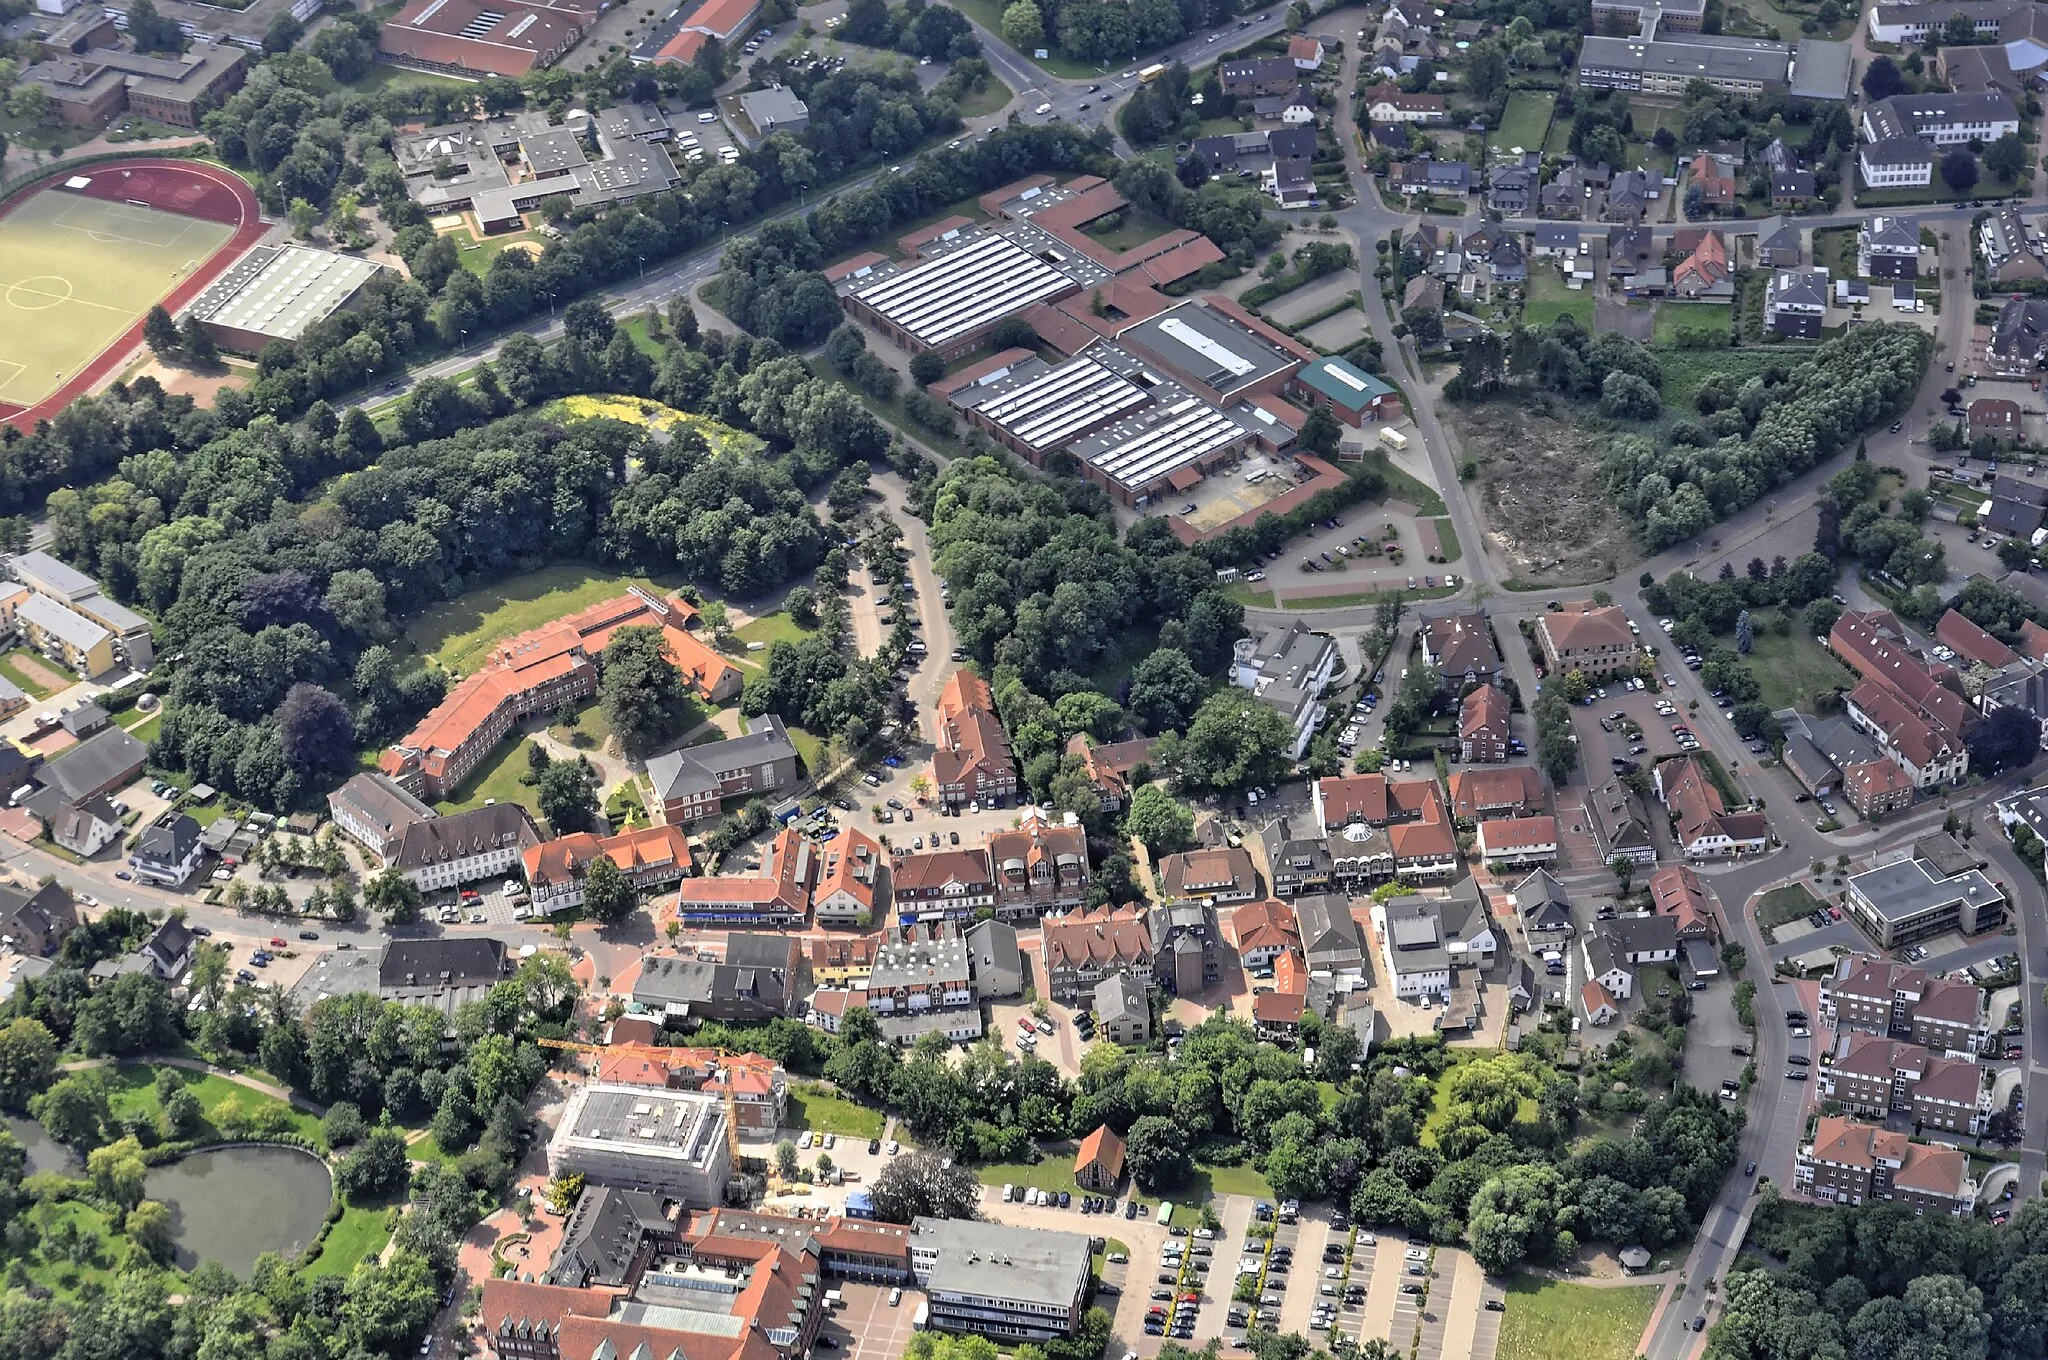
1341,331
1540,475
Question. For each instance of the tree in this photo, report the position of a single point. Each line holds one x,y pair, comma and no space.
1321,433
1745,633
2006,157
375,1168
160,332
314,730
199,346
75,1110
392,893
1235,742
567,796
304,215
608,895
642,692
1156,1151
2006,738
920,1184
1628,397
183,1114
1882,79
1166,690
1024,26
28,102
343,1124
926,368
785,1159
1162,823
148,1226
28,1061
1959,170
117,1172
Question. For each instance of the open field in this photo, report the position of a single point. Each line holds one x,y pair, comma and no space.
1547,1320
497,779
460,633
359,1234
773,628
29,677
76,272
1676,318
477,256
819,1110
1525,123
1548,299
386,77
1793,902
1793,668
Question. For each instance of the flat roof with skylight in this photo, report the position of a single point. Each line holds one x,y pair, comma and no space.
1201,343
975,280
279,293
1044,406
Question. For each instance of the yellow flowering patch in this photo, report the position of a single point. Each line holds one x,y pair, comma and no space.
720,437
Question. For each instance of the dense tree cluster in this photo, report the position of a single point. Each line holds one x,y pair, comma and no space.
1109,30
939,32
1760,433
1880,1279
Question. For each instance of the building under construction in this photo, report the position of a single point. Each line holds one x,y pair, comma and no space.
676,1144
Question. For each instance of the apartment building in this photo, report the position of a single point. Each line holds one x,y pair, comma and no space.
1287,669
921,978
942,884
853,881
780,895
1461,649
698,782
1881,996
1591,639
1704,828
466,847
1010,1283
1081,948
971,762
650,858
374,813
1040,865
1951,1096
1851,1162
1874,1075
1483,726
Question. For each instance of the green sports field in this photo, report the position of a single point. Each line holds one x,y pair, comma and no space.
76,272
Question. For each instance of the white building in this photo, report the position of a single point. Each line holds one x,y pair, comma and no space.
1288,669
1024,1284
666,1142
466,847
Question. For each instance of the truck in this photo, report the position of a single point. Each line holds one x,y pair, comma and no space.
1393,438
1150,74
923,1318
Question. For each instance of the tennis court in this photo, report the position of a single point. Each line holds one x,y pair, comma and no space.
77,272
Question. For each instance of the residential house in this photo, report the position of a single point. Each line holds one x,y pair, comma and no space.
1517,842
1717,186
1507,263
1331,941
1460,648
650,858
1389,103
1951,1096
2019,338
1425,291
1888,247
1782,249
1305,50
1598,1004
1605,965
1680,894
1111,767
1264,931
1425,175
971,762
1704,828
1851,1162
1565,198
1511,191
1544,907
1258,76
35,921
1099,1162
1909,707
1296,108
1186,946
1039,865
1482,795
853,881
1629,197
1618,824
84,828
1483,727
1995,418
168,850
1082,948
1896,163
697,782
1296,864
2012,253
1796,302
1380,828
1642,937
1123,1012
935,884
1219,876
840,959
1628,249
1704,275
1793,189
1591,639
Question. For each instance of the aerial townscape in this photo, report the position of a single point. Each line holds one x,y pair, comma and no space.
1023,680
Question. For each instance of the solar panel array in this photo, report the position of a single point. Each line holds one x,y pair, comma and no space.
481,23
290,293
1176,436
963,290
1064,403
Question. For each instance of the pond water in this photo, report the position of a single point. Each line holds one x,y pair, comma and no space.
44,1152
232,1204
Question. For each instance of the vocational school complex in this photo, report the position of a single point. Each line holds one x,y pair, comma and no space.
1150,393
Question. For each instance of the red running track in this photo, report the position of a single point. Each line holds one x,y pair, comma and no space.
187,188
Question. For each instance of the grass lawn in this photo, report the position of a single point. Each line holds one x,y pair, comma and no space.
1547,1320
460,633
1235,1180
146,730
1794,668
1526,121
1675,318
498,778
357,1235
636,326
773,628
1404,488
94,1260
1687,370
427,1149
1549,299
131,1090
1793,902
820,1111
19,675
382,77
810,749
476,256
1137,228
988,98
1447,538
591,730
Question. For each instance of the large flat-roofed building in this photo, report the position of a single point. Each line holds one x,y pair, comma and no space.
1941,119
278,293
504,167
80,594
670,1143
88,88
998,1280
1739,66
482,37
1164,446
1036,408
1910,899
948,302
1216,348
245,27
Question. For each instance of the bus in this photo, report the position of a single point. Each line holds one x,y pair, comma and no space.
1165,1214
1150,74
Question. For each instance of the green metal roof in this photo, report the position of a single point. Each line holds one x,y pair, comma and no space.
1343,382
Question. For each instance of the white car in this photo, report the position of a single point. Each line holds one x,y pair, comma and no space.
1042,110
890,1147
896,1296
707,117
805,1141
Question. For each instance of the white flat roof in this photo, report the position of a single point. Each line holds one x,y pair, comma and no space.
299,287
964,289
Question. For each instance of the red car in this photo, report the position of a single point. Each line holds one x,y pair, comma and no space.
278,942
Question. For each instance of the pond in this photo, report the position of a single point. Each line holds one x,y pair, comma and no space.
232,1204
44,1152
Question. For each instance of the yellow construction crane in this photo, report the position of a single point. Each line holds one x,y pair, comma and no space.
732,1109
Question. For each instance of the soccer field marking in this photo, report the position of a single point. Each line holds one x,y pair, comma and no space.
14,292
12,371
104,213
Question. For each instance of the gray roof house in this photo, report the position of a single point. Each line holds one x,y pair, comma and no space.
100,764
1123,1013
775,109
761,977
997,964
165,954
1507,261
1330,938
1540,900
1511,192
168,850
34,923
1781,249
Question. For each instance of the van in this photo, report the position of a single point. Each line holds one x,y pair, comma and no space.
1009,1192
896,1296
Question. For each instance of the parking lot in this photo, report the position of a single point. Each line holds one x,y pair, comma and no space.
865,1325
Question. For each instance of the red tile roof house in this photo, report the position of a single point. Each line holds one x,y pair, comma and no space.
1598,1003
1082,948
972,761
1719,190
1483,726
1305,51
1218,877
1872,994
1972,643
1477,795
1998,417
1906,704
1591,639
1676,891
1850,1161
1264,931
1099,1162
1877,788
1951,1096
1949,1017
1518,841
1039,866
1703,826
1276,1014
